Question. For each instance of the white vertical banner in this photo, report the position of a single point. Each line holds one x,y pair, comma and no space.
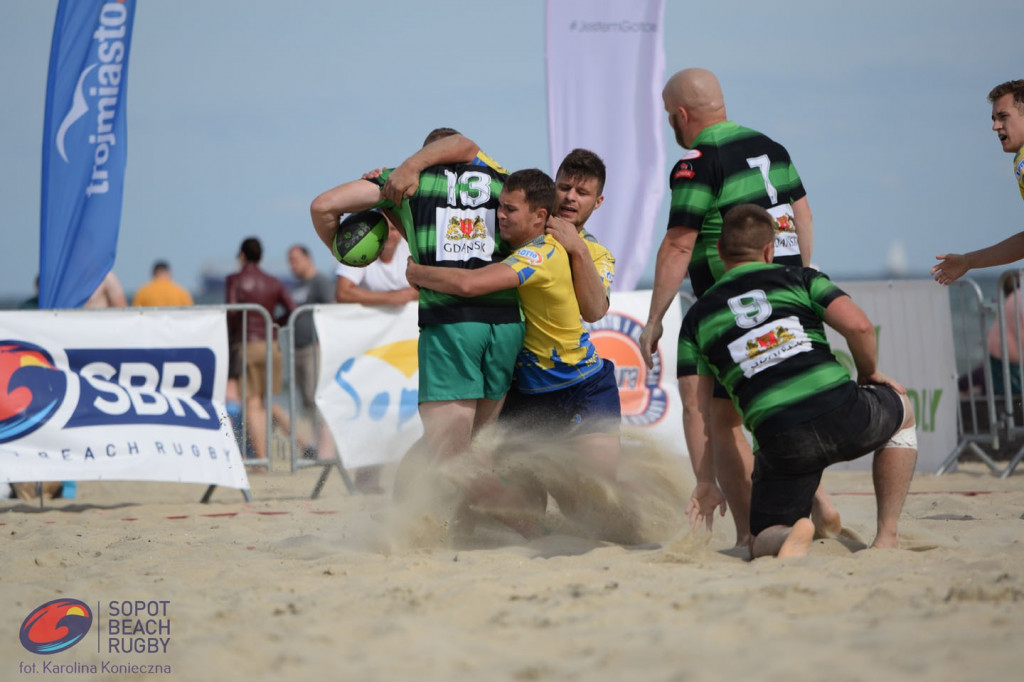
605,73
915,348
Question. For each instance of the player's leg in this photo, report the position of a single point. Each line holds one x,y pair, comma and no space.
497,365
787,473
784,541
447,426
827,522
892,471
734,462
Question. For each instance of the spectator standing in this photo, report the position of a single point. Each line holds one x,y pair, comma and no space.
162,290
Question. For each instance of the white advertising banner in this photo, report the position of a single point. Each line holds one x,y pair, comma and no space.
369,373
605,73
915,347
133,395
368,392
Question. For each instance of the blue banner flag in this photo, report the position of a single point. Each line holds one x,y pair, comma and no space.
84,148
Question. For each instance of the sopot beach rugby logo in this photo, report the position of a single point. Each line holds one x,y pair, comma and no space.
31,388
56,626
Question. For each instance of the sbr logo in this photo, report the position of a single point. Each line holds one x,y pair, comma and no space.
172,386
144,386
31,389
56,626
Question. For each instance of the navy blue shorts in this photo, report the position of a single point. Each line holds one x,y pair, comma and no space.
588,406
788,465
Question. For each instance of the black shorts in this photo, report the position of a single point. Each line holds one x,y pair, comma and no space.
590,406
788,465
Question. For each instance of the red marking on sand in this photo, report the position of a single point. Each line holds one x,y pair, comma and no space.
221,514
967,493
175,518
130,518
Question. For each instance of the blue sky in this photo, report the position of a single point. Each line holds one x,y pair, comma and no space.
241,111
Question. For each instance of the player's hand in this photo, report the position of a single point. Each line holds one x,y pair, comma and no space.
701,507
649,339
407,295
565,233
951,268
410,272
403,182
373,174
879,379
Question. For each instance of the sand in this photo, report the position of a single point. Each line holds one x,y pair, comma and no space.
286,587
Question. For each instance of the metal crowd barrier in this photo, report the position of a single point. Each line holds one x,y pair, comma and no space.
982,420
1008,417
294,409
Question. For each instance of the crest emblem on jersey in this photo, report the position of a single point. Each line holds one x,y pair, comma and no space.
466,228
769,345
784,223
464,234
767,341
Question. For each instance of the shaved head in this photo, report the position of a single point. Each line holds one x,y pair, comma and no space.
697,90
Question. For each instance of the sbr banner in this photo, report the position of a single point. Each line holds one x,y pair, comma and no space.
605,73
84,148
367,389
116,395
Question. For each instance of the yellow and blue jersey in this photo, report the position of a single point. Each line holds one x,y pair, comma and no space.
603,259
1018,169
557,351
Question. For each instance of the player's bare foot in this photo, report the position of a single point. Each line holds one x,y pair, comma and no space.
798,543
886,541
827,523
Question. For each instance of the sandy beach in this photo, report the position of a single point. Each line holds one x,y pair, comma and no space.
286,587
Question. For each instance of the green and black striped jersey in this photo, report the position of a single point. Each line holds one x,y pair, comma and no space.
760,332
730,165
451,222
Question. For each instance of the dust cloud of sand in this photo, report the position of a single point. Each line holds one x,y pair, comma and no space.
643,504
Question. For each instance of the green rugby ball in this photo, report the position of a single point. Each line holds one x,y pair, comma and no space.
360,238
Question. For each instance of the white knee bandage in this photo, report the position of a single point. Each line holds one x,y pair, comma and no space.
904,438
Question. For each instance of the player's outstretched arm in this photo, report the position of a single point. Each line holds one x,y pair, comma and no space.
669,271
327,209
953,266
459,282
405,179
